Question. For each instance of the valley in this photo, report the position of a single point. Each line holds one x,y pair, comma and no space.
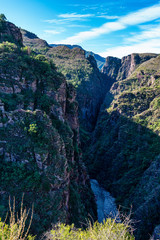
71,124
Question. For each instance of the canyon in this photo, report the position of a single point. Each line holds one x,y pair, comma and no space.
64,121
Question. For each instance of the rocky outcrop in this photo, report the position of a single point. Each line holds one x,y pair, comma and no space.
90,95
9,32
83,73
100,60
31,40
111,67
118,69
131,62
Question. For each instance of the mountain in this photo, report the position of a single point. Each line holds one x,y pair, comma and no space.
80,71
100,60
61,117
123,154
119,69
40,153
119,126
83,73
67,45
31,40
10,33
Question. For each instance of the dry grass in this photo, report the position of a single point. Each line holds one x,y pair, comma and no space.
17,228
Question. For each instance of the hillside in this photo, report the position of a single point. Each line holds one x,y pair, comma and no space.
39,139
125,145
60,118
80,71
122,148
31,40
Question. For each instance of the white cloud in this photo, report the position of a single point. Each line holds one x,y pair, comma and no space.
69,17
152,32
148,46
54,32
141,16
74,15
95,32
56,21
108,17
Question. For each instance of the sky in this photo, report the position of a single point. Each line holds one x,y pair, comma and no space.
110,28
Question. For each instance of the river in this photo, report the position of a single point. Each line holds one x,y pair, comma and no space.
106,206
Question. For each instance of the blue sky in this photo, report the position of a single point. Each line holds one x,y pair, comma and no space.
110,28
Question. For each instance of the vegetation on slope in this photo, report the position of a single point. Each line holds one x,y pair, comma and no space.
79,70
126,144
108,230
39,146
19,223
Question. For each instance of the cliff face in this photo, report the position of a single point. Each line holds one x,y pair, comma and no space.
119,69
125,146
39,145
9,32
111,67
131,62
81,72
31,40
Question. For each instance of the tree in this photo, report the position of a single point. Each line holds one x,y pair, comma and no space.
2,17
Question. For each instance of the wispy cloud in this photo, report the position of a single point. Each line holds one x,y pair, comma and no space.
56,21
54,32
150,33
146,41
108,17
138,17
74,15
95,32
142,16
69,17
148,46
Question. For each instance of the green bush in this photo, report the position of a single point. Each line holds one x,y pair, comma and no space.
107,230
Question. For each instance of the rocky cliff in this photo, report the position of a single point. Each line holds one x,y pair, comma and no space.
39,139
31,40
111,67
119,69
80,71
83,73
9,32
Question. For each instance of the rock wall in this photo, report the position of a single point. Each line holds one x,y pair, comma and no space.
119,69
9,32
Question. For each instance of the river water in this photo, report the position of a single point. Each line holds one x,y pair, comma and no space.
106,206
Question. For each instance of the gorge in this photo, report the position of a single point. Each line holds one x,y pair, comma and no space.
63,122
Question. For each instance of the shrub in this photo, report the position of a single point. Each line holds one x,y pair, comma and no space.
32,128
107,230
